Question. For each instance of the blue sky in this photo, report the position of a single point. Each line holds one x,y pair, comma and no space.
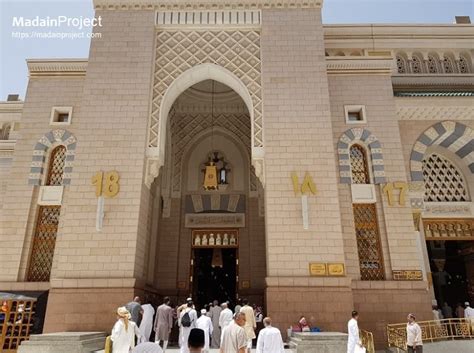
14,51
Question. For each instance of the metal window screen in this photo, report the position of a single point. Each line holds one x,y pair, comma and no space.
56,166
359,170
44,240
368,242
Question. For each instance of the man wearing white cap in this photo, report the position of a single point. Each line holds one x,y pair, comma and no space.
225,317
205,323
469,314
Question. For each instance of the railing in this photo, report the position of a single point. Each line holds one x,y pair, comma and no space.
16,321
432,331
367,340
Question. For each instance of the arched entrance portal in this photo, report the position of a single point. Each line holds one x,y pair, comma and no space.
210,244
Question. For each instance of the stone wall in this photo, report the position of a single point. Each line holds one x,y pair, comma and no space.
299,138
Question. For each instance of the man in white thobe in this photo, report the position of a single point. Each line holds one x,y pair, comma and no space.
234,338
147,321
353,330
184,330
469,315
250,324
214,314
269,339
225,317
204,323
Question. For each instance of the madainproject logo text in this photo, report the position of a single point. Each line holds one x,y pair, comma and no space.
59,21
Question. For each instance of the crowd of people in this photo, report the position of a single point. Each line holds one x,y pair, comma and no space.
447,312
217,326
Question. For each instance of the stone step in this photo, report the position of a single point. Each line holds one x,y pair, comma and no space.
61,342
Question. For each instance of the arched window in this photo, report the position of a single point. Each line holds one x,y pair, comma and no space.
416,66
443,180
432,64
359,165
448,65
402,67
463,65
44,239
5,131
56,166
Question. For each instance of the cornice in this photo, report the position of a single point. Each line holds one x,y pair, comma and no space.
433,81
359,65
189,5
11,107
56,67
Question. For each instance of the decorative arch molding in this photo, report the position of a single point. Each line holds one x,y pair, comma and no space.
40,152
456,137
367,139
173,77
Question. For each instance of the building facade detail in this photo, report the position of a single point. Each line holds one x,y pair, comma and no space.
44,146
223,53
454,136
367,139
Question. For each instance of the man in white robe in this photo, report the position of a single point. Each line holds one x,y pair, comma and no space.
214,314
204,323
250,324
147,321
225,317
269,339
469,315
353,330
185,330
234,338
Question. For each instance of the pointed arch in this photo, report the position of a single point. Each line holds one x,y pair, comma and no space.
454,136
367,139
41,150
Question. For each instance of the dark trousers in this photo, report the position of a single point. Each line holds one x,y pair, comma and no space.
418,349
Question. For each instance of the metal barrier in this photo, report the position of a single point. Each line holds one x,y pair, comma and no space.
367,339
432,331
16,321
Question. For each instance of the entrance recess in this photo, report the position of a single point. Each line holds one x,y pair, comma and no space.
214,266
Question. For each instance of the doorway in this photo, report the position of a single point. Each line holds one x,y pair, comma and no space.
212,282
452,269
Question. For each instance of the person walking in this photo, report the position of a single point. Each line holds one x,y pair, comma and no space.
135,310
353,341
163,323
146,324
414,342
250,324
186,322
225,317
269,339
205,323
214,314
234,338
123,332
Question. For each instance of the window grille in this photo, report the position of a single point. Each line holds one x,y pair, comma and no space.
56,166
368,242
432,65
401,65
448,65
416,65
359,166
463,65
44,241
443,181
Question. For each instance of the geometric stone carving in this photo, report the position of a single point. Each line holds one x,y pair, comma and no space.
209,18
454,136
443,181
238,51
